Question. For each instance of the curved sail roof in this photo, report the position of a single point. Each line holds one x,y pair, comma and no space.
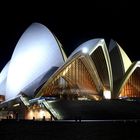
87,47
3,77
36,52
120,63
119,53
130,81
97,50
93,55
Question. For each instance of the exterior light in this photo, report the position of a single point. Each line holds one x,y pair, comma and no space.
107,94
15,105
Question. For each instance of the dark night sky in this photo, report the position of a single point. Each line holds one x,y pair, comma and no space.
73,24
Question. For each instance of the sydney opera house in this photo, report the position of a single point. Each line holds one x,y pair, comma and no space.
41,81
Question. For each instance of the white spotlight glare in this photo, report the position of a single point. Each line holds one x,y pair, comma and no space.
85,50
107,94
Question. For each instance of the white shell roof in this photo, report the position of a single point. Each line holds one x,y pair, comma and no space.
3,76
88,46
36,52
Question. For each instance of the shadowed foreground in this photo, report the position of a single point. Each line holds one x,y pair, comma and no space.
21,130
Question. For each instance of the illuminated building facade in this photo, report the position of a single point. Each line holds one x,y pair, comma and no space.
83,74
130,86
39,75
